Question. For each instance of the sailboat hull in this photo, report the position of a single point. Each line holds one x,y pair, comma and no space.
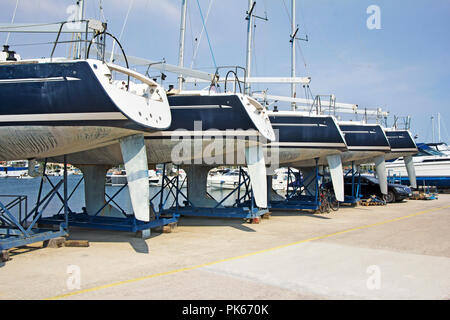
365,142
206,130
56,108
402,144
302,139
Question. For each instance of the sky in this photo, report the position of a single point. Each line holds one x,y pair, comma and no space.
402,67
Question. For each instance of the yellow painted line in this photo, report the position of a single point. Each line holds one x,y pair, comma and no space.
115,284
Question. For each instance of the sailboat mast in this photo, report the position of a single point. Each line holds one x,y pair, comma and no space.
293,87
251,5
80,4
439,126
432,128
182,37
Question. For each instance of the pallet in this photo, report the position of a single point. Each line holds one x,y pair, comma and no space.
423,196
372,201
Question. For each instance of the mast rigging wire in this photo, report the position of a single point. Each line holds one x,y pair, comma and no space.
12,21
121,32
207,36
194,56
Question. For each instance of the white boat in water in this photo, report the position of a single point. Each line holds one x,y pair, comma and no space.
119,177
279,180
15,169
432,168
441,147
224,179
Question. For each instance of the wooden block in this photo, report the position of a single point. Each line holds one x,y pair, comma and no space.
266,215
4,256
169,227
54,243
76,243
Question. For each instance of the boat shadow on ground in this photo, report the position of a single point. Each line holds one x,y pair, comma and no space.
138,243
242,224
237,223
22,250
297,213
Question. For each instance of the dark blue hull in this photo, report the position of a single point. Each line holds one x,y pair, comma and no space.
365,137
400,140
56,88
307,132
402,144
207,115
216,112
213,115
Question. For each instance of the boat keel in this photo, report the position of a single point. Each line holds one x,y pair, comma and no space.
380,167
135,160
254,157
409,164
337,175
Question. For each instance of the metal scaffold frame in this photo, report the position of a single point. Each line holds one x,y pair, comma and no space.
19,231
244,206
126,223
295,200
355,197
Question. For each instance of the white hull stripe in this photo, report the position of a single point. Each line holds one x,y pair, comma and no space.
359,132
404,150
182,133
32,80
216,106
62,117
298,125
306,144
369,148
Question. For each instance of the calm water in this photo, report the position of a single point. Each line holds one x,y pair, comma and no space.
30,187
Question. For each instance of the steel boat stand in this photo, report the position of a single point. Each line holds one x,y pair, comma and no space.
302,192
355,196
195,204
17,230
100,214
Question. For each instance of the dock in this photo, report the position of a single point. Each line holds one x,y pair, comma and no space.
291,255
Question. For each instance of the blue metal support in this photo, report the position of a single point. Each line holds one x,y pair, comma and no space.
16,231
71,194
127,222
41,183
110,200
300,197
355,187
244,206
